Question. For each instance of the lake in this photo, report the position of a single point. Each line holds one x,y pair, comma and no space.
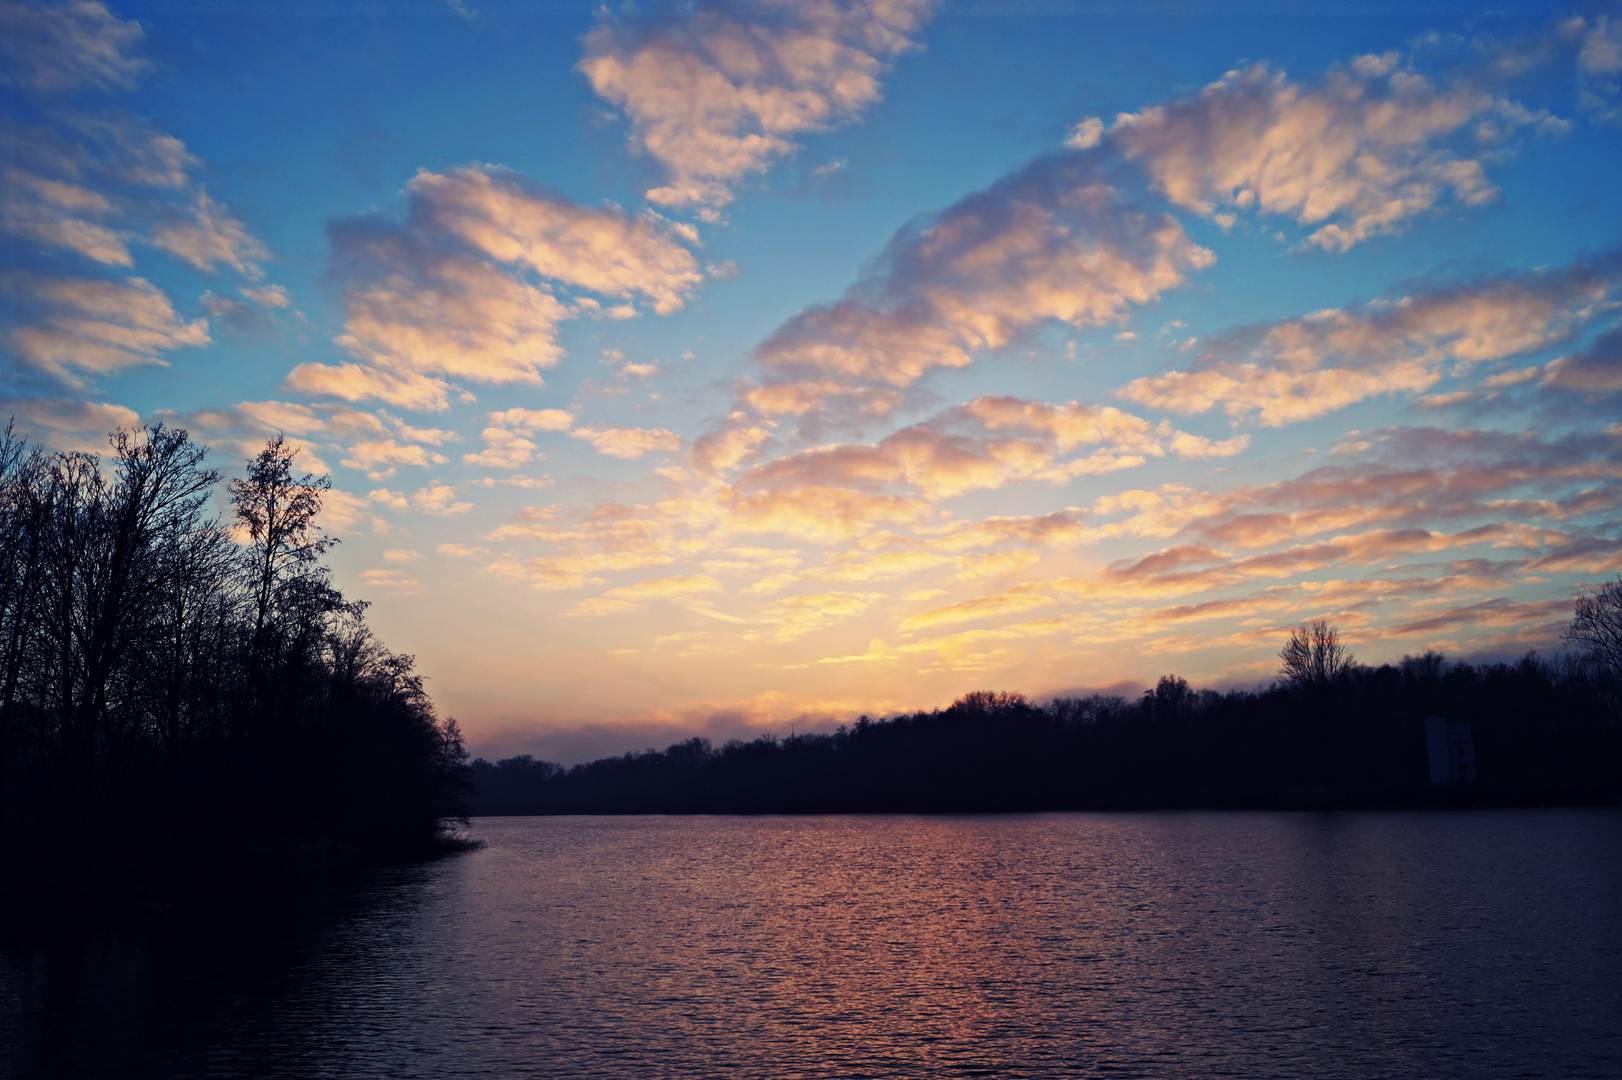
1432,944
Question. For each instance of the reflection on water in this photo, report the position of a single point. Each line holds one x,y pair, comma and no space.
1163,945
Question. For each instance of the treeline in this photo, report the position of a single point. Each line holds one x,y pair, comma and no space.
1329,732
188,707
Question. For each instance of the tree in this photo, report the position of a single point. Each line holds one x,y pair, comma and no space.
1596,628
278,510
163,680
1314,659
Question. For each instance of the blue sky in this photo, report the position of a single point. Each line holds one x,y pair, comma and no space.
710,369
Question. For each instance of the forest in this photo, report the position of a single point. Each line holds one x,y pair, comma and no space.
1327,733
191,714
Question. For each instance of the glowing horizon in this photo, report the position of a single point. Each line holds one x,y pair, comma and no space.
712,370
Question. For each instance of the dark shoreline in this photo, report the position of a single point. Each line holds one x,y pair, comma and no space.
1533,733
1450,801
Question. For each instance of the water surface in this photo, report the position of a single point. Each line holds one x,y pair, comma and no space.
1434,944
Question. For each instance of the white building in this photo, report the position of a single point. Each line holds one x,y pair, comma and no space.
1452,751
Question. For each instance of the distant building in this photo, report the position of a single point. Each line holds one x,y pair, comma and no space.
1452,751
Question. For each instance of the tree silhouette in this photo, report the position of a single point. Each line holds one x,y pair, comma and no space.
186,709
278,510
1596,628
1314,658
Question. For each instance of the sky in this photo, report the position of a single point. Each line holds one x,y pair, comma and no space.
736,369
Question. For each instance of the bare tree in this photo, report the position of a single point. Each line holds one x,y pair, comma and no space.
143,650
278,510
1596,628
1314,658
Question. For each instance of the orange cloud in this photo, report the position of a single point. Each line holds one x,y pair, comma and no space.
629,443
1351,158
96,327
499,215
1299,369
717,96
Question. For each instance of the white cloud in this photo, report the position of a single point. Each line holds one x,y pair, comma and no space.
271,296
1352,158
506,438
68,425
59,214
61,47
381,458
443,296
1299,369
416,315
394,500
208,236
1086,134
85,326
720,95
533,419
1054,241
629,443
439,500
496,214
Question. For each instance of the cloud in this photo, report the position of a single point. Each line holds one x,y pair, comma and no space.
1354,157
439,500
820,514
208,236
1601,52
415,314
59,214
506,441
356,382
533,419
720,94
1019,599
1496,612
96,183
1599,61
1410,476
241,430
380,458
982,445
500,215
442,296
796,616
725,450
528,483
1593,372
376,443
630,597
1055,241
1069,426
68,425
270,296
588,543
1298,369
395,581
1196,447
61,47
85,326
629,443
342,510
84,191
394,500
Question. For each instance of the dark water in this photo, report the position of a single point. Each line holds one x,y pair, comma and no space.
1429,945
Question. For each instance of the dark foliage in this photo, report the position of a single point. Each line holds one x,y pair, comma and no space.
1344,735
190,715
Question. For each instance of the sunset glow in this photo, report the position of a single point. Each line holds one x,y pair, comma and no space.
722,369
